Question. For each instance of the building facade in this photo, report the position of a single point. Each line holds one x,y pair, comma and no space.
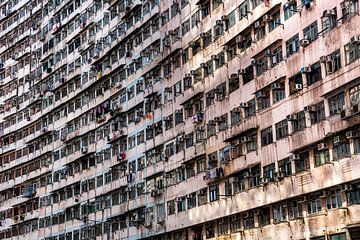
180,120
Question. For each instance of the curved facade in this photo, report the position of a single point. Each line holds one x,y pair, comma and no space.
180,120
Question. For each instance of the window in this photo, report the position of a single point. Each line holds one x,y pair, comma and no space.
212,160
292,45
264,216
171,207
295,83
178,117
263,99
249,220
254,176
224,155
181,204
195,19
299,123
336,104
185,27
239,182
250,109
334,200
202,196
353,196
302,164
210,230
261,66
189,140
349,8
281,129
214,193
329,20
244,9
278,90
294,209
318,113
259,30
211,128
279,212
275,22
318,238
311,32
352,53
333,62
285,167
339,236
231,19
266,136
256,3
341,148
276,56
321,156
235,116
315,74
314,205
252,143
269,172
205,9
223,225
248,74
210,98
228,187
191,200
357,145
235,223
290,9
223,122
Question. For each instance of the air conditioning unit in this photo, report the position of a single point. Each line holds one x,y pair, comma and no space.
234,76
241,71
346,187
298,86
253,61
355,39
203,65
188,75
336,139
193,72
310,108
294,157
268,53
245,139
214,57
84,150
246,174
330,12
237,109
244,105
325,58
161,220
291,117
257,24
218,119
264,181
276,86
260,94
305,69
304,42
219,22
343,114
280,175
352,134
203,35
322,146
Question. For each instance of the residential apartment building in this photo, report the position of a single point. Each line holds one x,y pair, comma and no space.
180,120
